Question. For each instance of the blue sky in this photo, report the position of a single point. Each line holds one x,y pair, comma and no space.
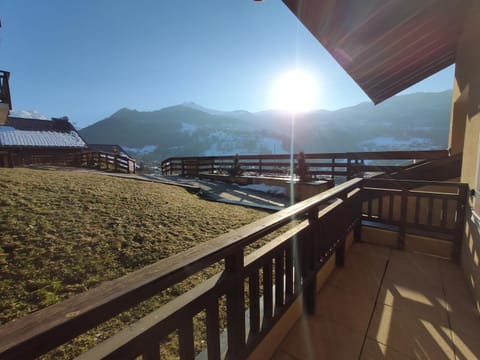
88,58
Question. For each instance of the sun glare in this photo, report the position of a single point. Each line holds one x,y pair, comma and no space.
295,91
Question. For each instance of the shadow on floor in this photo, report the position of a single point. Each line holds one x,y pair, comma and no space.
389,304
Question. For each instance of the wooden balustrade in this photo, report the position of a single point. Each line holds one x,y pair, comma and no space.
90,159
101,160
268,279
276,274
332,165
435,209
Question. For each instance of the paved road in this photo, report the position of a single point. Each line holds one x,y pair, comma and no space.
228,193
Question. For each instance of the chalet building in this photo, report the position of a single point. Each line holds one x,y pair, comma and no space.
33,141
388,46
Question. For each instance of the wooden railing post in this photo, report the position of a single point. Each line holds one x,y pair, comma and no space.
340,253
349,168
310,248
357,230
403,219
460,221
333,167
235,307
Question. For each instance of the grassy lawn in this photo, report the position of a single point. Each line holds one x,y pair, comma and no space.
63,232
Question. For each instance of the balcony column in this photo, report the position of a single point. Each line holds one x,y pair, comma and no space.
465,137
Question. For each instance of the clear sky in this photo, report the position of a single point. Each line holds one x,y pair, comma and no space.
88,58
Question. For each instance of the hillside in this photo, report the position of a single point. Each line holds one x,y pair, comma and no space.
63,232
417,121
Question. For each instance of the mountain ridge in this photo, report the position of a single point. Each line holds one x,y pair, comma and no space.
417,121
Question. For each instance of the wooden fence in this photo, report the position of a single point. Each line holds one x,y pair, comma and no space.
88,159
101,160
275,275
434,209
346,165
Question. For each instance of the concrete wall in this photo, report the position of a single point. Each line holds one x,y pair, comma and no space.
465,132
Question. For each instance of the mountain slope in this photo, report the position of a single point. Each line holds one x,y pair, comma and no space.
416,121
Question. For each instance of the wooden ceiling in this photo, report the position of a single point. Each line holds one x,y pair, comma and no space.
385,45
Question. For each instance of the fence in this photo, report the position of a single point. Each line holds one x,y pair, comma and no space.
275,275
434,209
331,165
101,160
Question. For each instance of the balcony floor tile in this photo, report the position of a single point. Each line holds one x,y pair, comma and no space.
389,304
314,337
373,350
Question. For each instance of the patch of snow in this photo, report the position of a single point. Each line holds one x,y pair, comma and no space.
188,128
40,138
390,142
269,189
28,114
274,145
222,143
147,149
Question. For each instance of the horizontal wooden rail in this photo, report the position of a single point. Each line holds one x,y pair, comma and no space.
435,209
43,330
347,165
101,160
268,279
79,158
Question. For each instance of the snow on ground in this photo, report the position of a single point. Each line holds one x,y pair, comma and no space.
143,150
222,143
188,128
269,189
392,143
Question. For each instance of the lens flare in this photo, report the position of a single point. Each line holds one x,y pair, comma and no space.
295,91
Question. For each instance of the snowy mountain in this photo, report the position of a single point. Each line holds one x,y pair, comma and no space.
416,121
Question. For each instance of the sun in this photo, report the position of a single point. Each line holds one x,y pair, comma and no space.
295,91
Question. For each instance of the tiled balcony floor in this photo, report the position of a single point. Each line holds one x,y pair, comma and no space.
389,304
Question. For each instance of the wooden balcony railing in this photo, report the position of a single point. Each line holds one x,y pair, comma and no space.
92,159
274,275
346,165
101,160
5,88
434,209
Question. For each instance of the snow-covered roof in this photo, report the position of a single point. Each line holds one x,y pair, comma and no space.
19,132
14,137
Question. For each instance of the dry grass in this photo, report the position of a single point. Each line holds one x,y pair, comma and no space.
63,232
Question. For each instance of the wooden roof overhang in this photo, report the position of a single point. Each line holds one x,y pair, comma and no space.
385,45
